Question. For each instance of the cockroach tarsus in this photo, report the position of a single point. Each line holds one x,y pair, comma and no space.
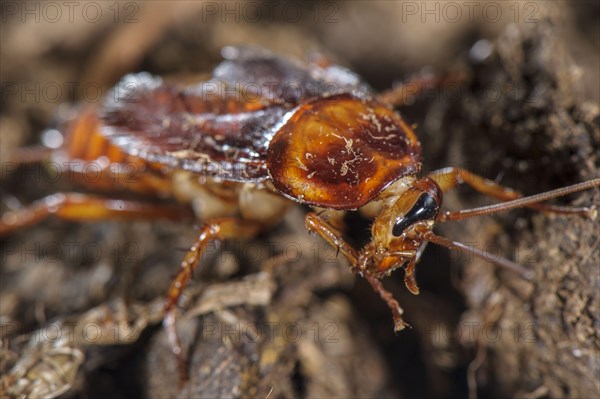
238,150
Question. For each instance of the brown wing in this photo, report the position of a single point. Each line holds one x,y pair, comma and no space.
340,152
220,128
279,79
203,128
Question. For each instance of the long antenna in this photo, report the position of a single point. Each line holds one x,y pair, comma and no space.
498,260
521,202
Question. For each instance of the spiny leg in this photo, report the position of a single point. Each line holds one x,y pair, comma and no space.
449,178
416,85
410,278
212,231
399,323
316,224
84,207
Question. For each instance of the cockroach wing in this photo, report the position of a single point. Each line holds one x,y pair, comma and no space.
260,72
341,151
202,128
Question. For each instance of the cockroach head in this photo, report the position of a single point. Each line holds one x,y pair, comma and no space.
417,206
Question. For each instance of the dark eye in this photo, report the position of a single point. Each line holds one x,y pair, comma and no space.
425,208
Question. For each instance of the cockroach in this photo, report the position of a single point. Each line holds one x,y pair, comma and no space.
263,133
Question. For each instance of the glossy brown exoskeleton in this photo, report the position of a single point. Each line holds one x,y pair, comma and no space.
262,134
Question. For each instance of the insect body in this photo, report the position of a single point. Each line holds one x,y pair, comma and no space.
262,134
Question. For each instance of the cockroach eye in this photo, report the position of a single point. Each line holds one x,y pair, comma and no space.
426,208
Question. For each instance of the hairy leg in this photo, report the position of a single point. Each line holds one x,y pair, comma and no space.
449,178
214,230
316,224
84,207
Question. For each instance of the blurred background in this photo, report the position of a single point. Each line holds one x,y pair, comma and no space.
541,58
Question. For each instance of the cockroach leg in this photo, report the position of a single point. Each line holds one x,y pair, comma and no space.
215,230
399,323
416,85
449,178
410,278
334,218
83,207
314,223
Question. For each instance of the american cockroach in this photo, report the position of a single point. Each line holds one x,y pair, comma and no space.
263,133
